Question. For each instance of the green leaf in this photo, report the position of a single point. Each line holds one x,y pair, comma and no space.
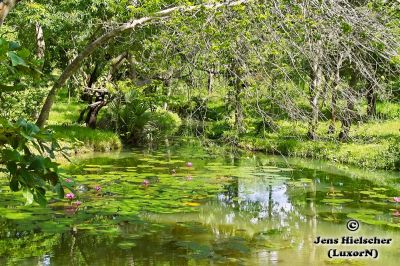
16,60
59,190
3,46
40,197
28,196
10,155
37,164
24,53
14,184
28,129
346,27
13,46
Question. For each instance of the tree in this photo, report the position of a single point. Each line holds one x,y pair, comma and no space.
76,63
26,152
5,7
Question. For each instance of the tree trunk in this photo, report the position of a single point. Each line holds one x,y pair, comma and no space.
94,76
40,43
210,82
116,63
40,50
315,89
76,63
167,91
5,8
349,112
371,100
91,119
332,126
346,121
239,117
335,87
133,75
82,114
315,92
324,91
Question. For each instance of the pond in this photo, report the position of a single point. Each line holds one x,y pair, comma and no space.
189,206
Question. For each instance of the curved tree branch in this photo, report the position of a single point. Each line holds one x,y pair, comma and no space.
76,63
5,8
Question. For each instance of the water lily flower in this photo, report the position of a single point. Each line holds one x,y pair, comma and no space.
396,199
189,164
70,196
98,188
77,203
68,180
146,182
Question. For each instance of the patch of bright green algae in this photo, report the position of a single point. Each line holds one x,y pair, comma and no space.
128,187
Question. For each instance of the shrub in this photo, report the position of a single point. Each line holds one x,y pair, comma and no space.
27,156
161,123
216,130
388,110
134,117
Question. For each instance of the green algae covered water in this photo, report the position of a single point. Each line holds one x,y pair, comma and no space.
152,208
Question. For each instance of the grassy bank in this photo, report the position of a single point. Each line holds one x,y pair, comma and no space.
373,145
83,139
78,138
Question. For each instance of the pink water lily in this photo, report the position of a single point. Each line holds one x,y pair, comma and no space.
68,180
77,203
396,199
70,196
189,164
98,188
146,182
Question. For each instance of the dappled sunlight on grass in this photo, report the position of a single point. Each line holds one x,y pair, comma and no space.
78,136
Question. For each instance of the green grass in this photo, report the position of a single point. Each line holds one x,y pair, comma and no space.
372,145
81,137
65,113
63,121
388,110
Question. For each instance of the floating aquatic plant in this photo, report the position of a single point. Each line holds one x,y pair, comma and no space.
70,196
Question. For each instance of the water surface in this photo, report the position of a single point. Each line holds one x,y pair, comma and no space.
150,208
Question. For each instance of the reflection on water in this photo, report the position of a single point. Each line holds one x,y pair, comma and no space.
232,211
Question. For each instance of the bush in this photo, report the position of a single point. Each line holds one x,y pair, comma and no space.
161,123
134,117
216,130
394,154
388,110
27,156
